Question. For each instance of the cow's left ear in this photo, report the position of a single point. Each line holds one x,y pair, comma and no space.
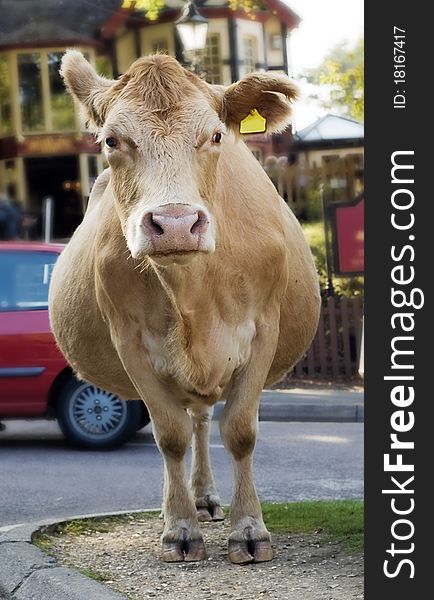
269,94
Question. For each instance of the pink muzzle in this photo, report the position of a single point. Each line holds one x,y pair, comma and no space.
175,228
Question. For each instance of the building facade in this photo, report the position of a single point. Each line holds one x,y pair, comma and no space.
44,147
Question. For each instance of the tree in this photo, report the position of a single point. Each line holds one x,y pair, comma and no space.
342,70
152,8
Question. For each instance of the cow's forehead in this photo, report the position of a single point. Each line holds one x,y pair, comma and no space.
184,121
157,98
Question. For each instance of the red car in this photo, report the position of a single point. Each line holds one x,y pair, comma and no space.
35,379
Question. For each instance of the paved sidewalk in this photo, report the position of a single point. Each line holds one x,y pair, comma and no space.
27,573
310,405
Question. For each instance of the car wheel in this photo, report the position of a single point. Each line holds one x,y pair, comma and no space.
94,418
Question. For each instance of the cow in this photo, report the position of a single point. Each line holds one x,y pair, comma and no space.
189,280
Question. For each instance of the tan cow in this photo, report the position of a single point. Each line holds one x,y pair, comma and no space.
189,280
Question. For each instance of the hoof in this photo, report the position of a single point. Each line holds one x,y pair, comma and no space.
195,551
247,550
184,549
209,509
210,514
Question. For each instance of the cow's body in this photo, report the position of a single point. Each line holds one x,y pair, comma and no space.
185,333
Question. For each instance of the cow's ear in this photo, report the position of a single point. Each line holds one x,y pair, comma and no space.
86,86
268,94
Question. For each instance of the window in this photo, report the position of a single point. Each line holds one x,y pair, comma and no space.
212,59
61,103
250,54
30,88
24,280
5,97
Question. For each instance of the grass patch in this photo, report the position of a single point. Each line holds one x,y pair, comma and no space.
341,520
344,286
43,538
43,541
100,576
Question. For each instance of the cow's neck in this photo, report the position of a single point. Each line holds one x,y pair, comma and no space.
184,286
197,328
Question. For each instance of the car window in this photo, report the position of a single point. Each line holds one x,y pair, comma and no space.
24,279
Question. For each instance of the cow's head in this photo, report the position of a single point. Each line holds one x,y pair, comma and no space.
163,130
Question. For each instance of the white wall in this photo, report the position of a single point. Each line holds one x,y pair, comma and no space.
250,29
126,51
274,57
153,34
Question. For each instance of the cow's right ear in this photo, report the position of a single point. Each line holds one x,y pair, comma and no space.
86,86
268,94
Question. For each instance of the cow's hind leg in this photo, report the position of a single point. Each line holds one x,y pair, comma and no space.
201,480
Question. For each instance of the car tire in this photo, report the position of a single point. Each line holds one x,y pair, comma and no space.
93,418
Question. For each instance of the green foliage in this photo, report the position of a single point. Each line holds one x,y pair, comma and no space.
101,576
313,209
341,520
152,8
343,286
248,5
343,70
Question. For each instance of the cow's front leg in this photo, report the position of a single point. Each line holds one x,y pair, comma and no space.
173,428
201,480
249,540
181,539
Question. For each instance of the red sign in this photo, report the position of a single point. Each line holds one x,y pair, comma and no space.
349,237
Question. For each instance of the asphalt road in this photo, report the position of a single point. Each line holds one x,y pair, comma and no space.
42,478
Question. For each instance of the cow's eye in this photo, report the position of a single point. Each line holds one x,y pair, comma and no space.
217,137
111,142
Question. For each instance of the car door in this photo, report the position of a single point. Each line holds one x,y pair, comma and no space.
29,359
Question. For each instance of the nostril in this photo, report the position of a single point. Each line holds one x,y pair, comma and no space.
158,230
200,223
150,224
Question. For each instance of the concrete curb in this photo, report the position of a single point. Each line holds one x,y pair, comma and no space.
330,406
27,573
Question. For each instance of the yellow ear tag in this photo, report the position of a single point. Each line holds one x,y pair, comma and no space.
253,123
